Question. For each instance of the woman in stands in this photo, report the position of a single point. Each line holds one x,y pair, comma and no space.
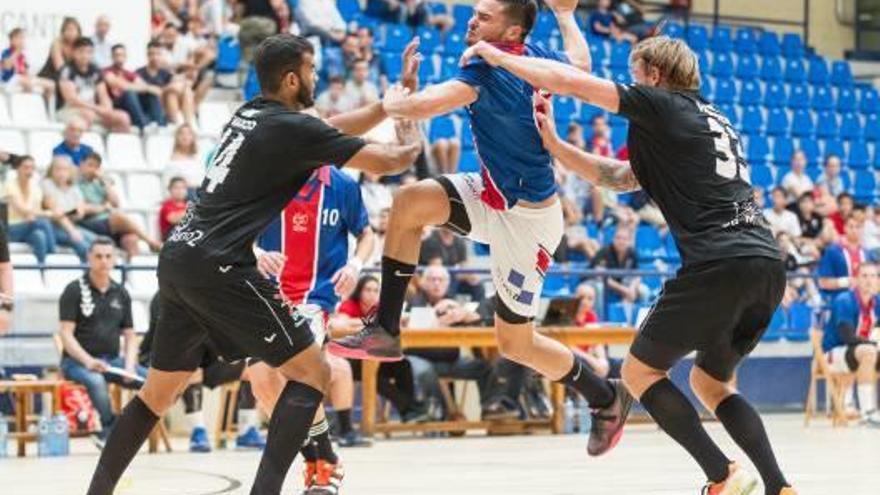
61,51
28,220
65,201
184,160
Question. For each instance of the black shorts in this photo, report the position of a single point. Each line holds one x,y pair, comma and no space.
238,316
719,309
216,372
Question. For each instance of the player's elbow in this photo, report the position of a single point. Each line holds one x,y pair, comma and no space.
391,159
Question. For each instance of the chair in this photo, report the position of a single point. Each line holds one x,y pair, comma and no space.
768,45
798,96
13,141
817,71
850,127
29,110
429,40
40,144
795,71
771,69
647,241
826,125
846,99
752,120
858,157
749,93
774,95
125,152
697,37
564,107
802,124
841,74
746,40
761,175
95,140
213,115
833,146
722,65
822,98
722,39
159,148
869,101
872,128
746,67
454,45
225,427
620,56
777,122
725,92
783,148
396,37
758,149
810,147
792,45
836,384
469,162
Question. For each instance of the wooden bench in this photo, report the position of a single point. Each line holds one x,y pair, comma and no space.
481,337
24,391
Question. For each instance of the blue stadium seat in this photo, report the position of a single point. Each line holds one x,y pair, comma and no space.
826,125
752,120
841,74
798,96
777,122
777,325
722,39
858,156
850,127
555,285
833,146
674,30
818,71
846,99
758,150
865,185
469,161
722,65
545,23
251,83
672,254
438,8
448,67
467,136
228,55
588,112
564,108
746,40
802,124
730,112
725,92
792,45
620,55
454,44
647,242
774,95
704,62
762,175
800,321
783,148
393,64
697,37
869,100
348,8
396,37
771,69
768,45
462,13
621,76
795,71
872,127
428,70
810,147
598,53
750,92
822,98
746,66
814,173
442,127
706,86
429,40
616,313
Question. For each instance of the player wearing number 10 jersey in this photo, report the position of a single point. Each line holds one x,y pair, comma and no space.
685,154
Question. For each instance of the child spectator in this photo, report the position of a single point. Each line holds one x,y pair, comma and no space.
174,208
14,68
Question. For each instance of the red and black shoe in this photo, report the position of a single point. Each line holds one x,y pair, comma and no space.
608,422
371,342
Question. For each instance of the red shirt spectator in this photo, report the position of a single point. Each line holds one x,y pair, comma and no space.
174,208
121,72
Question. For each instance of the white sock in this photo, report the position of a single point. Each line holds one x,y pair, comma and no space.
196,420
867,398
248,418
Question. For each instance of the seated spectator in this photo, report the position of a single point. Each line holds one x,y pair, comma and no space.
184,160
600,143
190,58
102,42
845,207
601,20
132,94
594,355
178,100
359,90
14,69
219,17
848,340
797,182
629,18
64,199
840,261
368,52
72,145
28,221
258,21
779,217
830,178
95,312
377,196
334,100
576,237
415,13
83,93
174,208
815,229
61,50
447,249
101,214
322,19
620,255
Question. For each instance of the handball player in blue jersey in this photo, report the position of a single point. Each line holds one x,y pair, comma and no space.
511,205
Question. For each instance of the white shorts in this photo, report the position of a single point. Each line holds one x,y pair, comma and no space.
521,242
837,359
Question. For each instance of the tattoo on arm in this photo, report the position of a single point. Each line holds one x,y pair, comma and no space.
617,175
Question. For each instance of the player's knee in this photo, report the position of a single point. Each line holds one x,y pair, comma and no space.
638,377
866,354
514,345
709,390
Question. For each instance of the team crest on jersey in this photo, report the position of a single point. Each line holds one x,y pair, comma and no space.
299,222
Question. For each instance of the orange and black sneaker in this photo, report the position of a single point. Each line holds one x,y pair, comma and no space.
309,474
738,482
327,479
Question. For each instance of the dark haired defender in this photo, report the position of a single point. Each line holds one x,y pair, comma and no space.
210,288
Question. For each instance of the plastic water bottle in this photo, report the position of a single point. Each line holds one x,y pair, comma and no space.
54,436
4,438
569,416
584,416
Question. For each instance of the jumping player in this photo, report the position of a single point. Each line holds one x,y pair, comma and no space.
511,205
209,285
307,249
688,158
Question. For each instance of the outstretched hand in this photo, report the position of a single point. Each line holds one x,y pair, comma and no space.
412,60
484,50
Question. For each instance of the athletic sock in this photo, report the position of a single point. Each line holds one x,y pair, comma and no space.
343,418
309,451
597,391
246,399
288,429
247,408
192,406
867,394
395,279
677,417
744,425
131,430
320,435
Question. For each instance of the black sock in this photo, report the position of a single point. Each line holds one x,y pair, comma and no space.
395,279
192,398
288,430
597,391
343,418
677,417
744,425
246,399
309,451
131,430
320,435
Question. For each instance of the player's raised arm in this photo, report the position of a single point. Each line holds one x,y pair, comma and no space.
435,100
390,159
555,77
573,40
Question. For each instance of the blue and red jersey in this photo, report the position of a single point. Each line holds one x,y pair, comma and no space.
848,310
312,232
514,163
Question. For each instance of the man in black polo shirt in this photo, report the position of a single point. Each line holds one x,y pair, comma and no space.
94,312
619,255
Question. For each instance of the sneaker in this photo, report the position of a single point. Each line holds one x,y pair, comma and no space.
327,479
353,439
418,413
608,422
372,342
198,440
309,474
500,410
788,491
738,482
250,439
871,419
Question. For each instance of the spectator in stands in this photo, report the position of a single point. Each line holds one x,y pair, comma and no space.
83,93
72,145
848,339
797,182
219,17
61,50
576,236
830,179
174,208
286,22
779,217
139,99
334,101
415,13
601,20
377,196
184,161
359,90
629,17
600,143
815,229
258,22
871,233
189,58
793,257
840,261
620,255
321,18
368,52
101,214
65,201
103,44
178,100
845,207
28,221
594,355
14,73
447,249
95,311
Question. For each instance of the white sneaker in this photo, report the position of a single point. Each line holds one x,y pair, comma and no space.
739,482
871,419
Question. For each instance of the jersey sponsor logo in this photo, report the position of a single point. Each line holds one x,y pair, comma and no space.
115,304
242,124
191,238
299,222
271,338
543,262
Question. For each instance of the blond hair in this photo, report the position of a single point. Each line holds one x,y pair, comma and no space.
677,64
